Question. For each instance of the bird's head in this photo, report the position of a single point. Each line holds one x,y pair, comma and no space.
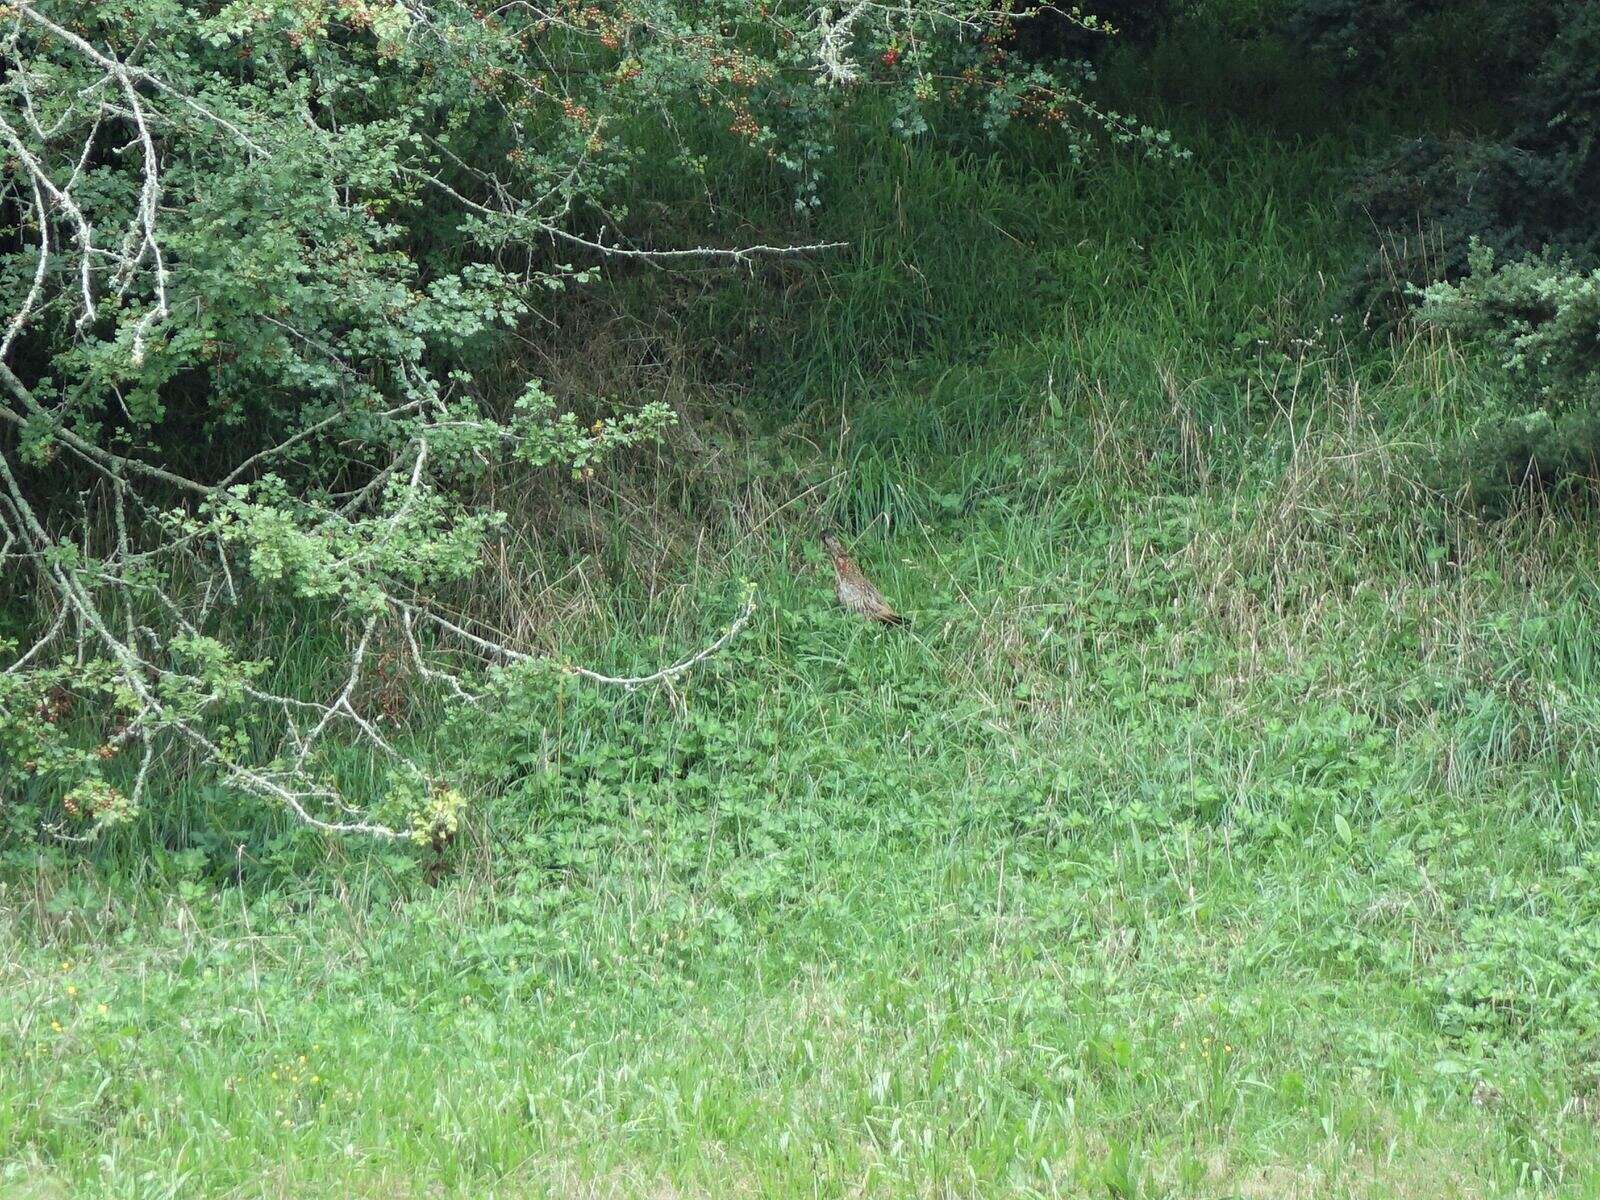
832,544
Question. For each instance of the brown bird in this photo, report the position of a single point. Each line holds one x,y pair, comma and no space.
855,590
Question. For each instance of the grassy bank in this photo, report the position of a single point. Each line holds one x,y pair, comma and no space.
1223,825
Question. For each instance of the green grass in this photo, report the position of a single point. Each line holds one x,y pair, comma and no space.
1223,825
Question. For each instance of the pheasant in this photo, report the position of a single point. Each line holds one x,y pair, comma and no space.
855,590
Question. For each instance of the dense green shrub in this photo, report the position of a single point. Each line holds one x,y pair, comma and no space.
1530,187
1542,321
1524,192
1359,38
